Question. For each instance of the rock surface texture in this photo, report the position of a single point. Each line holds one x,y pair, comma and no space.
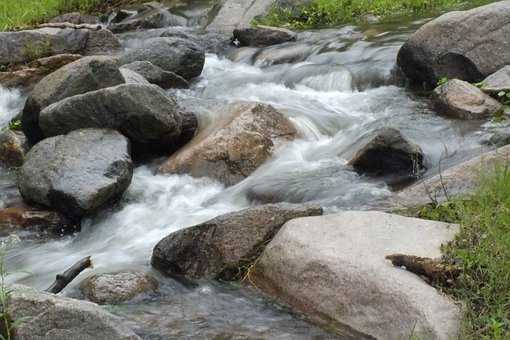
461,179
238,14
231,148
222,247
117,288
498,81
467,45
177,55
143,113
263,36
156,75
15,219
77,173
389,154
333,269
13,147
50,317
460,99
84,75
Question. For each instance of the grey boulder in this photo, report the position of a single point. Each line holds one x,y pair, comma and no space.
263,36
333,269
389,155
76,18
467,45
50,317
461,100
142,112
78,173
177,55
83,75
222,247
498,81
117,288
156,75
151,15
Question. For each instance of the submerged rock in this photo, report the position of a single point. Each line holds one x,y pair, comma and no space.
462,100
15,219
111,289
84,75
458,180
467,45
78,173
244,136
156,75
332,268
498,81
225,246
143,113
389,155
176,55
263,36
282,54
13,147
51,317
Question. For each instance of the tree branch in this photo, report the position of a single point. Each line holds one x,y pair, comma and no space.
62,280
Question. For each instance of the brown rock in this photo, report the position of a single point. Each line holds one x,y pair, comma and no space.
116,288
462,100
234,146
13,147
25,218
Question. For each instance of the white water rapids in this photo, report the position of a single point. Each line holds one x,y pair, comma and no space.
337,96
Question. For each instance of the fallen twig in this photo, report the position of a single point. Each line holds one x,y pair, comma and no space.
62,280
69,25
434,270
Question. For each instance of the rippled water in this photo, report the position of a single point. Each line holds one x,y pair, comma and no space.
338,90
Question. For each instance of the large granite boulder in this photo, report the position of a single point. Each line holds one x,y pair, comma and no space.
25,46
84,75
115,288
389,155
225,246
143,113
459,99
156,75
236,144
458,180
467,45
261,36
78,173
177,55
333,269
50,317
498,81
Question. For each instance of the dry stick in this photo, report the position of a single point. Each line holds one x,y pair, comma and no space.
435,270
69,25
62,280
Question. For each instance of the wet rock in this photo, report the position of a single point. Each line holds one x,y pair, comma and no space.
14,219
76,18
51,317
500,138
243,137
111,289
149,16
156,75
13,147
332,268
78,173
176,55
459,180
467,45
84,75
222,247
282,54
212,42
462,100
498,81
143,113
389,155
263,36
28,76
132,77
101,41
233,14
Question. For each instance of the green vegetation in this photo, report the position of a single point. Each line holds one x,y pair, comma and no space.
15,125
19,13
482,251
327,13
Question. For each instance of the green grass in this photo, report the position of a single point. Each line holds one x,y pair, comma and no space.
20,13
482,250
328,13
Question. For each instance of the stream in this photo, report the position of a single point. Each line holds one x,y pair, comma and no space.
338,86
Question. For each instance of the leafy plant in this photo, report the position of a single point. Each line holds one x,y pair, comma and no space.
442,81
15,125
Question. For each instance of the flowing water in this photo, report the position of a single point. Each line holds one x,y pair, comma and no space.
338,87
